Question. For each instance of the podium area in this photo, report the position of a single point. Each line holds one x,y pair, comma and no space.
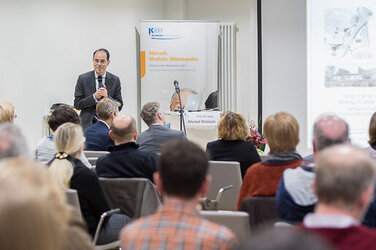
201,126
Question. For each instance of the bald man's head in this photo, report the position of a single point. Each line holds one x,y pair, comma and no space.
328,130
343,173
123,129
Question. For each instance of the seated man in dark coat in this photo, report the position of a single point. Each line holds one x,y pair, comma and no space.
125,159
97,135
153,138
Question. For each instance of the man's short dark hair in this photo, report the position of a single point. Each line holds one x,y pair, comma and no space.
63,114
104,50
182,167
212,101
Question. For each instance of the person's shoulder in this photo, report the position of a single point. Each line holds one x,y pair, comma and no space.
214,143
87,74
136,227
219,232
110,75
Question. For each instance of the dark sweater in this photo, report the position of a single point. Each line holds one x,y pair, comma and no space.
90,194
243,152
127,161
349,238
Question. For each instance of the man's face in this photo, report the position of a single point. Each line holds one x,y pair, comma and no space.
184,97
100,62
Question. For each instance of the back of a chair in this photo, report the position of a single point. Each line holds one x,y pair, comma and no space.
94,154
72,199
136,197
225,173
236,221
261,210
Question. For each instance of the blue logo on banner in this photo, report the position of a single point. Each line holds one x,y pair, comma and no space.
157,34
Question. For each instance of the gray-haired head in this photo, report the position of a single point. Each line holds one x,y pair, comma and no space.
328,130
106,107
149,112
343,173
12,142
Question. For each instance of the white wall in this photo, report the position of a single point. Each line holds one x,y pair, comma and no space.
47,44
244,14
284,62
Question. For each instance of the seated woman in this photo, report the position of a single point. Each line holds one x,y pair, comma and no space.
69,172
45,150
372,136
282,133
232,130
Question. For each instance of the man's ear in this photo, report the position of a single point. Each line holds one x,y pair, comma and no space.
366,198
111,135
158,182
205,186
135,135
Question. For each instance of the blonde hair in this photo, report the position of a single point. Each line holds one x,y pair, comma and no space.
32,207
69,140
282,132
6,111
232,126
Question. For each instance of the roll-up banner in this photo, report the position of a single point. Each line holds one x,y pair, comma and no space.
186,51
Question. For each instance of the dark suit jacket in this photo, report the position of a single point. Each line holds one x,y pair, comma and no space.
243,152
127,161
83,95
155,136
97,137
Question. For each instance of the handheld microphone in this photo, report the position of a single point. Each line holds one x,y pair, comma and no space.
176,84
100,79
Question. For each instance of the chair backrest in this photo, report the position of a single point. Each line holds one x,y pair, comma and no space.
225,173
72,199
94,154
92,160
136,197
236,221
261,210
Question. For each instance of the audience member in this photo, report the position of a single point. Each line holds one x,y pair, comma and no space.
295,196
46,148
97,135
157,134
231,146
372,136
184,93
284,239
69,172
125,159
12,141
282,133
6,112
344,185
182,178
36,215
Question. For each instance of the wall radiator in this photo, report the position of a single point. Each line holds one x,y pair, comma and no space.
226,67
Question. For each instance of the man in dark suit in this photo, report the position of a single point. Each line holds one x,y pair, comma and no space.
125,159
153,138
95,85
97,135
